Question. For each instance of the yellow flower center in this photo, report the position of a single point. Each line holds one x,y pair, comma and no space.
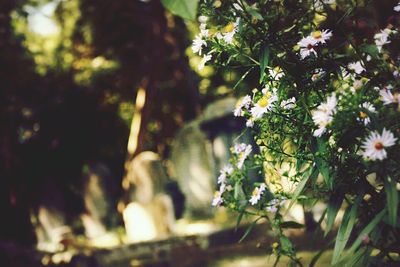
317,34
217,4
264,101
363,115
217,194
230,27
275,245
255,192
378,145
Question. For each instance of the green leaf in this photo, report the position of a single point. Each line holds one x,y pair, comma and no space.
291,224
264,61
345,229
392,197
334,204
186,9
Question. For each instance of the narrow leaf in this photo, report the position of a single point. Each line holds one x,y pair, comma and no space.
249,229
291,224
392,197
264,61
243,77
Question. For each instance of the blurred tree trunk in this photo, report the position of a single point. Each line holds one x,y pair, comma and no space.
16,73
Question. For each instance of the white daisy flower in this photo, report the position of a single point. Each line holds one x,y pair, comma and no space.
243,151
256,195
198,44
250,122
240,105
382,38
307,45
264,104
388,98
356,67
274,205
324,115
363,116
203,61
230,30
397,8
289,103
374,146
217,200
224,172
321,36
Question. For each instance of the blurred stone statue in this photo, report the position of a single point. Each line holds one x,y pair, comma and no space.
150,215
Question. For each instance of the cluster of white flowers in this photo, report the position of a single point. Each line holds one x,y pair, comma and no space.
256,108
256,195
308,44
375,144
382,38
324,115
200,41
242,150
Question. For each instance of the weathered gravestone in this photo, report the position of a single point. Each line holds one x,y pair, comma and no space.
200,150
98,204
150,215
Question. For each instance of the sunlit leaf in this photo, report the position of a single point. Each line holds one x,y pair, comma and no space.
186,9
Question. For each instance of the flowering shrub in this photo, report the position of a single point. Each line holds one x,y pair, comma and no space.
325,117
